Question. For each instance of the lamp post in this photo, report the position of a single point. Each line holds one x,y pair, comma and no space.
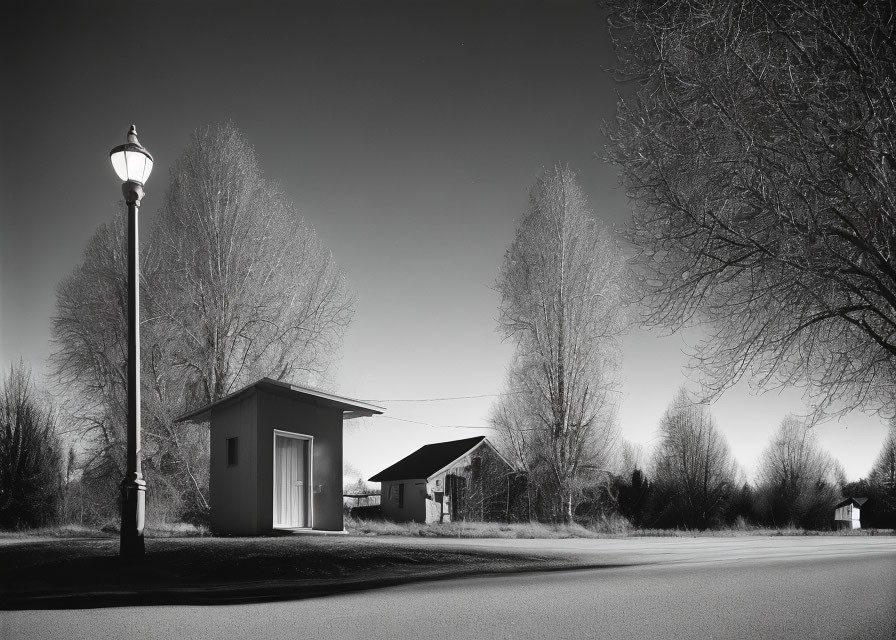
133,164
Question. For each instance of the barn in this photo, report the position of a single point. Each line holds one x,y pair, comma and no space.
448,481
276,458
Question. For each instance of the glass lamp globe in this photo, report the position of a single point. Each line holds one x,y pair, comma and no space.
131,161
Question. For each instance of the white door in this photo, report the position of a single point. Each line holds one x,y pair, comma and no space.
291,482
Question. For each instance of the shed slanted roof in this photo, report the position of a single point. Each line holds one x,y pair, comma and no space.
428,460
858,502
355,408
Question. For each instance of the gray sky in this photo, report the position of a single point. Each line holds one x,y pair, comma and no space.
406,133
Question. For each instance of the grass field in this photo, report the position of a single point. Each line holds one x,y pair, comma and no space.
79,572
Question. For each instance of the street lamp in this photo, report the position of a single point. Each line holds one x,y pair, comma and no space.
133,165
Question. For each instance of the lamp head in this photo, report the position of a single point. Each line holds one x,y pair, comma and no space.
131,161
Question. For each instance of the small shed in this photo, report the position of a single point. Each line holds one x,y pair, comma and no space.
847,514
457,480
276,458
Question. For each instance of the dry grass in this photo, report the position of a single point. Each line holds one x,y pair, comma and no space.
472,530
175,530
60,531
152,530
612,527
605,528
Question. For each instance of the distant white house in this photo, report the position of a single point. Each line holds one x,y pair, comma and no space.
847,513
458,480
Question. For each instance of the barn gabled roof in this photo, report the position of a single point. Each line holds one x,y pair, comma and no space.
428,460
350,408
857,502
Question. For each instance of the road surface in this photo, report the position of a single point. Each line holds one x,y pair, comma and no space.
683,588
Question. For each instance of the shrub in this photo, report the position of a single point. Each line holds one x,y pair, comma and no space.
30,454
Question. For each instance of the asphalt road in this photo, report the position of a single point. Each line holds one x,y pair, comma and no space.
687,588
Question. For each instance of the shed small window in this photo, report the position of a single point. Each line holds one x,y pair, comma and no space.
232,451
401,496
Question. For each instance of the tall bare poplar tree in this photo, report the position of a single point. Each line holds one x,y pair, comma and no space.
560,303
757,143
243,287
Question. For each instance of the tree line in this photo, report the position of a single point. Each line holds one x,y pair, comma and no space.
692,481
563,304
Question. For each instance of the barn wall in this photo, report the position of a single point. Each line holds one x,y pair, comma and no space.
325,426
438,511
479,491
232,490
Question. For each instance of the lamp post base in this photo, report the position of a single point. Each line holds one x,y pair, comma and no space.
133,510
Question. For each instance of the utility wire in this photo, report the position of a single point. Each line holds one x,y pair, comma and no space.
435,426
484,395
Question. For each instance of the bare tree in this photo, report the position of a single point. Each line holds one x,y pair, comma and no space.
30,454
560,302
243,286
757,143
90,359
798,481
692,466
631,457
89,332
883,473
882,479
512,425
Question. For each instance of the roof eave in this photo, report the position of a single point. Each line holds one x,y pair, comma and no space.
379,476
465,453
351,408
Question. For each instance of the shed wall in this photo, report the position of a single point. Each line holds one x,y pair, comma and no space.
325,426
414,508
232,489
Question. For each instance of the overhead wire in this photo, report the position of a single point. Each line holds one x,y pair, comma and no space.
442,399
428,424
483,395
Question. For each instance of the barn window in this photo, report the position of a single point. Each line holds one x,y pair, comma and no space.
232,451
401,496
